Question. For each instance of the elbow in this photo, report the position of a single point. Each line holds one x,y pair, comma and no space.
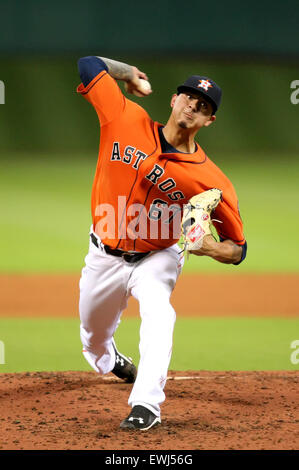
242,254
83,63
89,67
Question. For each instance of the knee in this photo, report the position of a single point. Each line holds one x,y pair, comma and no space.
92,341
158,307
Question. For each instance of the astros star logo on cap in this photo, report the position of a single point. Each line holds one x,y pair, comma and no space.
204,84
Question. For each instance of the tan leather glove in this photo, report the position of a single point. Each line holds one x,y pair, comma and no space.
196,221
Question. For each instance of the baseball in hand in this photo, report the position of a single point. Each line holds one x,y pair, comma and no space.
144,88
145,85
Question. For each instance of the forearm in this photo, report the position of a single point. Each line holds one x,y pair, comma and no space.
119,70
91,66
225,252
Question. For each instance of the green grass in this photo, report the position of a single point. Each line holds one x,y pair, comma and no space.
45,213
199,344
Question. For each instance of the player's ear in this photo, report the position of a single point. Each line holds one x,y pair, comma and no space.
173,100
210,121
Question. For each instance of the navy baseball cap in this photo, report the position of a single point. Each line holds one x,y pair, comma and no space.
204,85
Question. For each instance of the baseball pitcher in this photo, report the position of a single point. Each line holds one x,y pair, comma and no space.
143,195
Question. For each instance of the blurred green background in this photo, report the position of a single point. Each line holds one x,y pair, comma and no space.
49,140
199,343
43,112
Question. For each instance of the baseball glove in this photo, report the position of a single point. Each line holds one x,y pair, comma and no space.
196,221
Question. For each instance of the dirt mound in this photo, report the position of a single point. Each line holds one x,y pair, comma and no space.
203,410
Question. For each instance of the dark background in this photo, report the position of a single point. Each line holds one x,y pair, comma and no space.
157,27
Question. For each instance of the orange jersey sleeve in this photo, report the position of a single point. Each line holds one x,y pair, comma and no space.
230,225
107,99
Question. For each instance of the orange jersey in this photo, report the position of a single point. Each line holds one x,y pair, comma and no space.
139,192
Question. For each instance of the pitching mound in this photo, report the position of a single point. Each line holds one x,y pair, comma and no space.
203,410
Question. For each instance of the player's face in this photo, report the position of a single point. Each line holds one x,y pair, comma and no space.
192,111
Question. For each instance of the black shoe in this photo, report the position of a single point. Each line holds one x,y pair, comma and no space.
140,418
124,367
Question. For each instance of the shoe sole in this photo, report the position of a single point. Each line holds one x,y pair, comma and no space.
126,425
127,379
129,374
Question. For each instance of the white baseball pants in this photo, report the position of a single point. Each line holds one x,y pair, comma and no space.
106,283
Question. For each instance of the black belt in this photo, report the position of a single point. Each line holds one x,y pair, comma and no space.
128,257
